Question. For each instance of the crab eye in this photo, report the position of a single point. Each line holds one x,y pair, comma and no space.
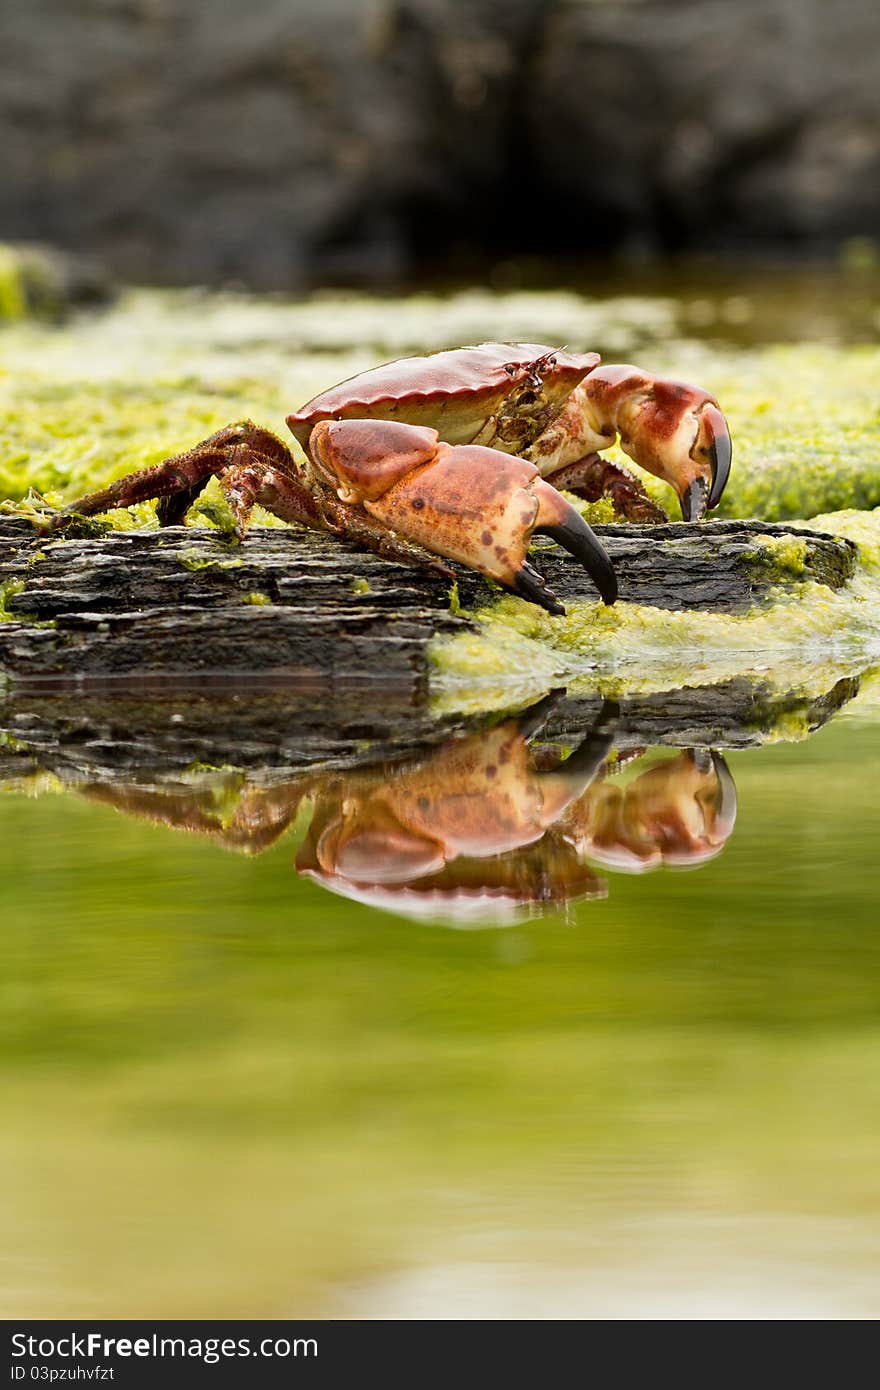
510,368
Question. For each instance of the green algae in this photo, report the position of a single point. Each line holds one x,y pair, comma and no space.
860,527
74,435
789,726
866,701
634,647
8,591
106,395
805,420
194,561
779,556
213,508
257,599
13,297
599,513
494,668
37,282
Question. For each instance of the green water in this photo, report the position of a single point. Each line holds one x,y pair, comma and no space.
227,1090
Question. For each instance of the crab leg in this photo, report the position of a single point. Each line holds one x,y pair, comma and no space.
387,486
594,477
252,464
250,479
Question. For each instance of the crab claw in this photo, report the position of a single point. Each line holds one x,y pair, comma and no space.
363,459
571,779
724,806
674,430
712,445
464,502
575,536
678,812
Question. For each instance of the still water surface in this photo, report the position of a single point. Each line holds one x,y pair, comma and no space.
234,1085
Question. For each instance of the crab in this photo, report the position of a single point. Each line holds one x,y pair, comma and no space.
460,455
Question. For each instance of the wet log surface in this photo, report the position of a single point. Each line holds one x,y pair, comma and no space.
292,604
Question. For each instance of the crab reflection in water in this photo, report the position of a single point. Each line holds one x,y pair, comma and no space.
488,828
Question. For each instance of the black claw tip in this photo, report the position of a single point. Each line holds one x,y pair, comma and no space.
582,766
720,455
575,536
532,720
529,585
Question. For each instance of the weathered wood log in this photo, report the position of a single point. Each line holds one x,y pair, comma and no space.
292,603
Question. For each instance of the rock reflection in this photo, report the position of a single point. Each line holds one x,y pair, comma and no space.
489,827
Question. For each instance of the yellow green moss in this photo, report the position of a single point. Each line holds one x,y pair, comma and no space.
599,513
805,420
8,591
107,394
195,560
861,527
867,699
789,726
780,555
13,299
634,647
212,507
36,282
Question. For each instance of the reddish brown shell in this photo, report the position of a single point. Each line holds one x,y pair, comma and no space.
454,392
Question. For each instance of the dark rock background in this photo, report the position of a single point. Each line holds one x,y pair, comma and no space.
286,141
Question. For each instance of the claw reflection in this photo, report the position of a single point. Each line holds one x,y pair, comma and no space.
489,827
679,812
